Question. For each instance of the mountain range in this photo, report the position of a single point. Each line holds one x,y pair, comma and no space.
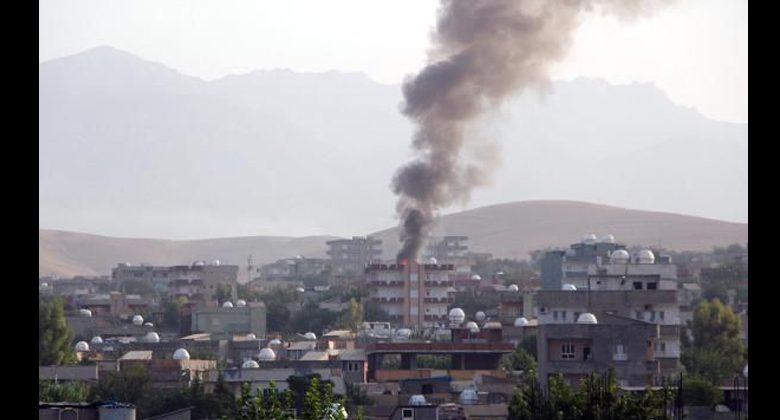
132,148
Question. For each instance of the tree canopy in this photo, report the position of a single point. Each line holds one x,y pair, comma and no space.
54,334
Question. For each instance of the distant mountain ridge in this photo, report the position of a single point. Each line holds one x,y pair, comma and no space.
509,230
280,152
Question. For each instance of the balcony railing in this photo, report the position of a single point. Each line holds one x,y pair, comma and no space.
379,283
438,300
620,357
440,283
388,299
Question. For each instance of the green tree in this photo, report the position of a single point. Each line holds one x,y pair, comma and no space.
172,313
54,334
352,316
374,313
244,404
288,405
49,391
521,360
700,391
529,345
273,405
131,385
312,404
277,316
224,293
717,352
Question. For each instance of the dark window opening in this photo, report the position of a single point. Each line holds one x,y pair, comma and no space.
652,286
637,285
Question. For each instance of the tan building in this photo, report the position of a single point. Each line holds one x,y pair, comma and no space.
198,282
412,294
232,320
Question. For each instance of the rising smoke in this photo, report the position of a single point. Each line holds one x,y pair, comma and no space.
484,51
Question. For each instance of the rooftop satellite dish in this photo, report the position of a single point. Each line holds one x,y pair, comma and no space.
138,320
82,346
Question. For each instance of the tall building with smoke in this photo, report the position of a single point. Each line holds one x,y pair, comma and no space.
413,294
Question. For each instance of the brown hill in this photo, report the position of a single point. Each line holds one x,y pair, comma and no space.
512,230
69,253
509,230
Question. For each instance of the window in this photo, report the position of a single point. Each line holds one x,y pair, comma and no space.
407,413
652,286
576,316
638,314
619,349
567,351
661,315
563,315
652,316
637,285
555,315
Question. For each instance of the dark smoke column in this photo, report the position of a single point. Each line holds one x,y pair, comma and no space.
484,51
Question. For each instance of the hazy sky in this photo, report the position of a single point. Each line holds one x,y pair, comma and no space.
695,50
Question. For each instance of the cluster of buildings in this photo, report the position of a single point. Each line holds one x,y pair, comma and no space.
598,305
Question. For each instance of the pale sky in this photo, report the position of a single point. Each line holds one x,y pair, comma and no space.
695,50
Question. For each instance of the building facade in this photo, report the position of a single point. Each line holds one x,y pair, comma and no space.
576,350
198,282
349,257
412,294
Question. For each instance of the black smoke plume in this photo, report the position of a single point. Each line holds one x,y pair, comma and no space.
483,52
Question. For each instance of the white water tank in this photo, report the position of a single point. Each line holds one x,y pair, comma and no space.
587,318
181,354
457,316
468,397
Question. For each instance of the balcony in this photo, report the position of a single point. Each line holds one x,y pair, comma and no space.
446,300
441,283
388,299
379,283
620,357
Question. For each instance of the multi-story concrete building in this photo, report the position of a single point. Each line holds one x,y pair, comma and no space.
294,269
448,248
466,355
563,307
116,304
559,266
349,257
412,294
233,320
198,282
578,349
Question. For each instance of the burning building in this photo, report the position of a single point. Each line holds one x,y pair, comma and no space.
413,294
